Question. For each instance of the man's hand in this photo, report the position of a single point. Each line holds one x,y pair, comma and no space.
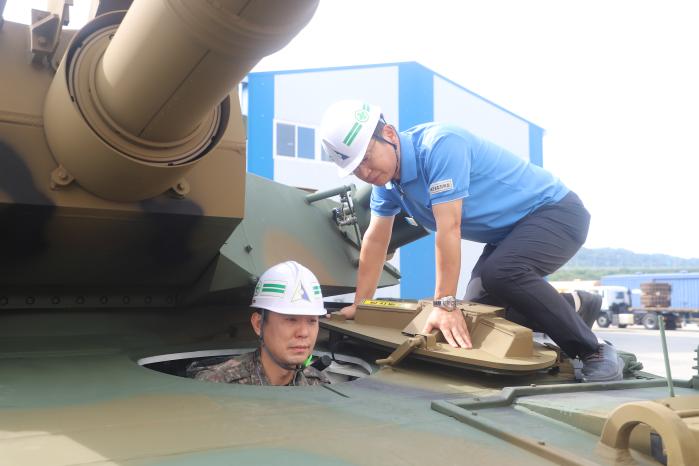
452,324
349,311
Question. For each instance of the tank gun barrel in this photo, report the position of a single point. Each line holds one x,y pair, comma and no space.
141,97
171,62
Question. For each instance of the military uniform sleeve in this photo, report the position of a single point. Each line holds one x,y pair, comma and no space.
382,202
210,375
313,376
231,371
448,169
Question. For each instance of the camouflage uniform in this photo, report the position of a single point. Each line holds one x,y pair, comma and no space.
247,369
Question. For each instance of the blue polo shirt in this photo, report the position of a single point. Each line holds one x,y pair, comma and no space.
442,163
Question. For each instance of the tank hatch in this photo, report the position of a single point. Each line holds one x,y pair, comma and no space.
499,345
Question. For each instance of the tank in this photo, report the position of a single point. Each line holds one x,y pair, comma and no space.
131,238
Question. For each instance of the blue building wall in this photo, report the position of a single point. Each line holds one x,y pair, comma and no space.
261,124
685,286
415,104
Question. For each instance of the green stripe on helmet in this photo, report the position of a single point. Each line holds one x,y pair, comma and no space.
351,136
273,285
355,128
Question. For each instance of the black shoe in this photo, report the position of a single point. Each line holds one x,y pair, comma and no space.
590,305
604,365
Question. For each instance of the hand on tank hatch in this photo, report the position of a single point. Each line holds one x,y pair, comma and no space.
349,311
451,324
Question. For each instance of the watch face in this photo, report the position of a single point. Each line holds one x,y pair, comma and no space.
448,302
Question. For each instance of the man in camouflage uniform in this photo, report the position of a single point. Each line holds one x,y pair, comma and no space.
287,303
248,369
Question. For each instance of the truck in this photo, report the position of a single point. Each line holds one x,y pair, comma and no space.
616,306
616,300
674,316
655,300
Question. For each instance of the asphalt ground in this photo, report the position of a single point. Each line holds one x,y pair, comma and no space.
681,344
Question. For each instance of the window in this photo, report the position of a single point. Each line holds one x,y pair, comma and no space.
297,141
286,140
307,143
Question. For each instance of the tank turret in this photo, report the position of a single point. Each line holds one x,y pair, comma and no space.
123,153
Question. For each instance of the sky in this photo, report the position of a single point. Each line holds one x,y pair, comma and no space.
614,84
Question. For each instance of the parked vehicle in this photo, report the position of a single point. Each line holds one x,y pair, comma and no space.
616,306
655,302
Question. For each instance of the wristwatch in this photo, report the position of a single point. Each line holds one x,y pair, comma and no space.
447,303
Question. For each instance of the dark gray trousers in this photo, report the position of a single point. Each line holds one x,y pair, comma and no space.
510,274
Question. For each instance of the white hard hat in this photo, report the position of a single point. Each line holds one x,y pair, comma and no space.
346,130
289,288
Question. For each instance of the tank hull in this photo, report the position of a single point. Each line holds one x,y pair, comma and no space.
74,393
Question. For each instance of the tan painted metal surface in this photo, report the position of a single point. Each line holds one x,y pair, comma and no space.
498,344
676,420
99,213
139,99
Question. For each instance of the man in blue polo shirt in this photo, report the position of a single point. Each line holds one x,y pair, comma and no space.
463,187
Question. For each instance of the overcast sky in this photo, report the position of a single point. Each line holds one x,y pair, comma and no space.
613,83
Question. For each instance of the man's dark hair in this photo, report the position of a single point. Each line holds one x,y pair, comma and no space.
378,131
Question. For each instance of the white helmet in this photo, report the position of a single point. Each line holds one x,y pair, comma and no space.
346,130
289,288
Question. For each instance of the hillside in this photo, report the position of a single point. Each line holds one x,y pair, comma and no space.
623,258
592,264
